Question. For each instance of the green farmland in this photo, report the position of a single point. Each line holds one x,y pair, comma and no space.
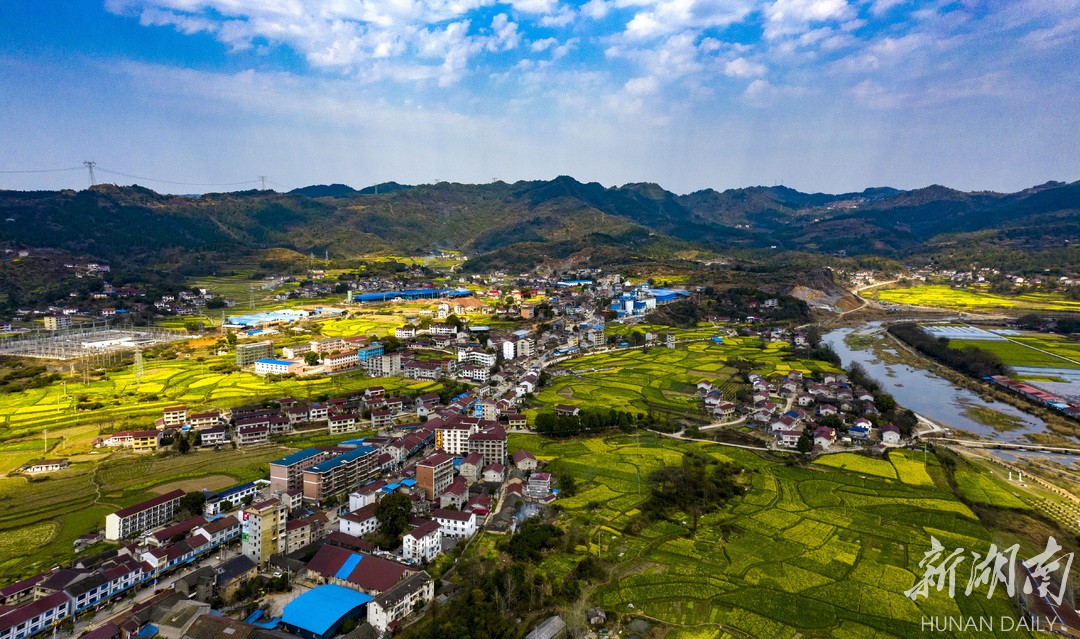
1030,351
40,520
808,552
941,296
128,403
664,379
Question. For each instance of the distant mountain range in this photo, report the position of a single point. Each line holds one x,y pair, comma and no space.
513,225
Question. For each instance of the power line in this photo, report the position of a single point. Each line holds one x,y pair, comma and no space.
71,168
139,177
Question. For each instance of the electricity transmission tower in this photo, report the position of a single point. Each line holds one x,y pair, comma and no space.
262,178
90,164
138,368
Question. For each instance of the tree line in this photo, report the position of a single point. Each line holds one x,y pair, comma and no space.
969,360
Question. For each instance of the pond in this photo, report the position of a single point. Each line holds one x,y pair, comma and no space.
931,396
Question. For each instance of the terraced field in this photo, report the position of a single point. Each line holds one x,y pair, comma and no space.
128,403
664,379
807,552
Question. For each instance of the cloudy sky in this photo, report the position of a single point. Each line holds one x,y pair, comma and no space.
819,95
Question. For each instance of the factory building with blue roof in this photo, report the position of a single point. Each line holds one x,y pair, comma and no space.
320,612
411,294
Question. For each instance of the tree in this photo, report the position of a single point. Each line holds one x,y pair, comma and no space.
311,358
193,502
700,485
393,512
231,338
193,325
805,444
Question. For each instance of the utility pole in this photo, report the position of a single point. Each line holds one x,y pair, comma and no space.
90,164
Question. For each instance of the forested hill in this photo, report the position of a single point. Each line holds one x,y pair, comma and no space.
511,224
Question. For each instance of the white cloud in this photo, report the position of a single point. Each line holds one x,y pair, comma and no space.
561,18
787,17
534,6
879,8
596,9
743,68
340,35
642,86
543,45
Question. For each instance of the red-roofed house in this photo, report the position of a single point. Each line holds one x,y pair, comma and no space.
423,543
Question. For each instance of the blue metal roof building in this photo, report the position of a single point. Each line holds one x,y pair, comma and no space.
411,294
319,612
298,456
330,464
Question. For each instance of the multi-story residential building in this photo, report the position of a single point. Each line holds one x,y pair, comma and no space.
340,424
359,522
247,354
490,443
176,416
34,617
318,413
287,473
142,516
477,356
408,595
367,352
251,435
342,361
382,419
383,365
434,474
455,523
220,531
423,543
269,366
454,438
422,370
57,322
214,436
340,474
208,419
229,498
480,374
263,530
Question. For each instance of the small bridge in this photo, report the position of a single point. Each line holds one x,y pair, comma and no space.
1061,450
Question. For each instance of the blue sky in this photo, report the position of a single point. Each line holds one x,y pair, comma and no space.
819,95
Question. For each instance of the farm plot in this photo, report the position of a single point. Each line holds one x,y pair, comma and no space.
1024,353
816,552
983,489
940,296
859,464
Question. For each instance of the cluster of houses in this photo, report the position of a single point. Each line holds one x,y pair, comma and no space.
786,407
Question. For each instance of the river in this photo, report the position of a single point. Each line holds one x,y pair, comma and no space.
927,394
